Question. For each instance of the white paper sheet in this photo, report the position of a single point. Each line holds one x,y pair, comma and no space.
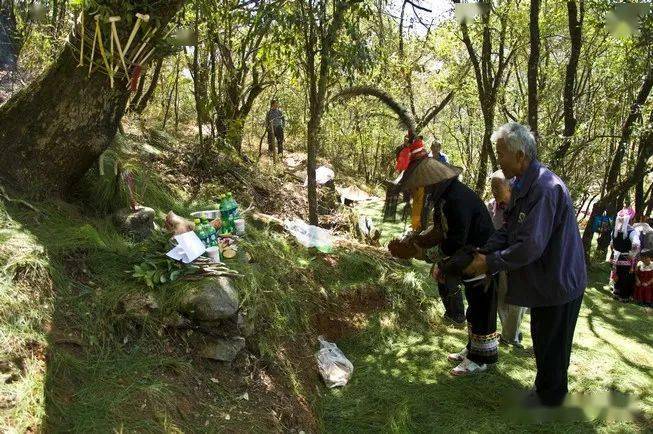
189,247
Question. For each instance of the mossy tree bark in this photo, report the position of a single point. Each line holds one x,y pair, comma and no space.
52,131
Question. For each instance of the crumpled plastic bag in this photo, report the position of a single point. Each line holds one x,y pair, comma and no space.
322,175
332,364
309,235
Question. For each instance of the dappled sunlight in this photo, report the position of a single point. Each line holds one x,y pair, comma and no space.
401,377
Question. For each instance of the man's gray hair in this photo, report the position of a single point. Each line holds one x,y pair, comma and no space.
517,137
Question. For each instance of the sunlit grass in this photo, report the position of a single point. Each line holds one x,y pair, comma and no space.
401,381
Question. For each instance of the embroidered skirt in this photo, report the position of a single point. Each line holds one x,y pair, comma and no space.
624,278
483,342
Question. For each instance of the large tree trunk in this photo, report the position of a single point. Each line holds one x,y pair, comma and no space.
58,126
533,62
575,34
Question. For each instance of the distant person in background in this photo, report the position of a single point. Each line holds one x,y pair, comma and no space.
436,152
509,314
275,123
605,237
625,248
644,280
627,210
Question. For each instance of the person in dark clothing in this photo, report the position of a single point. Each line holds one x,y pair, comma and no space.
625,247
275,123
540,248
462,220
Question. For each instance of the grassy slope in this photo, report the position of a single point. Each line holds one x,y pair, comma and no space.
83,364
401,381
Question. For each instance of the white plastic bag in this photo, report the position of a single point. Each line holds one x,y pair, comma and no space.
332,364
309,235
322,175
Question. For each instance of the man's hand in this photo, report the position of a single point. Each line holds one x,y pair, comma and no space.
437,274
401,249
477,267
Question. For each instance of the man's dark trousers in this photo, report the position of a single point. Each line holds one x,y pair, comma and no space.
452,299
552,329
275,133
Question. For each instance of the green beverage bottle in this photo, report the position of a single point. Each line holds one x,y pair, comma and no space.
224,215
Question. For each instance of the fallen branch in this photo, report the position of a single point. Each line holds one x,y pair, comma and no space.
26,204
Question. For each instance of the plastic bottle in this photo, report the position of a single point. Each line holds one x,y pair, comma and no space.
224,215
234,204
232,211
198,228
211,235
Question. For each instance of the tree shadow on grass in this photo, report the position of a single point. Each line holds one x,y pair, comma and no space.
623,326
402,384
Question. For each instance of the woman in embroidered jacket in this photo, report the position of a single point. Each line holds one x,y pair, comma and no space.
625,248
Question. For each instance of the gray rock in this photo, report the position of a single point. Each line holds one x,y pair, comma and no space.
245,325
137,224
223,349
217,299
139,305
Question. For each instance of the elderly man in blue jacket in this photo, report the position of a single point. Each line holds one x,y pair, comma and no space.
540,248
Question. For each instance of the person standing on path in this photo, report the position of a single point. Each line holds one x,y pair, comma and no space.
275,123
541,250
436,152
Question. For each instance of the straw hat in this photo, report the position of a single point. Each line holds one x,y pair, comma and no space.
426,171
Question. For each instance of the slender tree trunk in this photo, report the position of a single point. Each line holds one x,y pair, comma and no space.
9,40
639,197
486,149
533,62
177,103
197,85
55,128
649,201
168,101
575,34
487,83
144,100
312,136
627,127
617,191
582,204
